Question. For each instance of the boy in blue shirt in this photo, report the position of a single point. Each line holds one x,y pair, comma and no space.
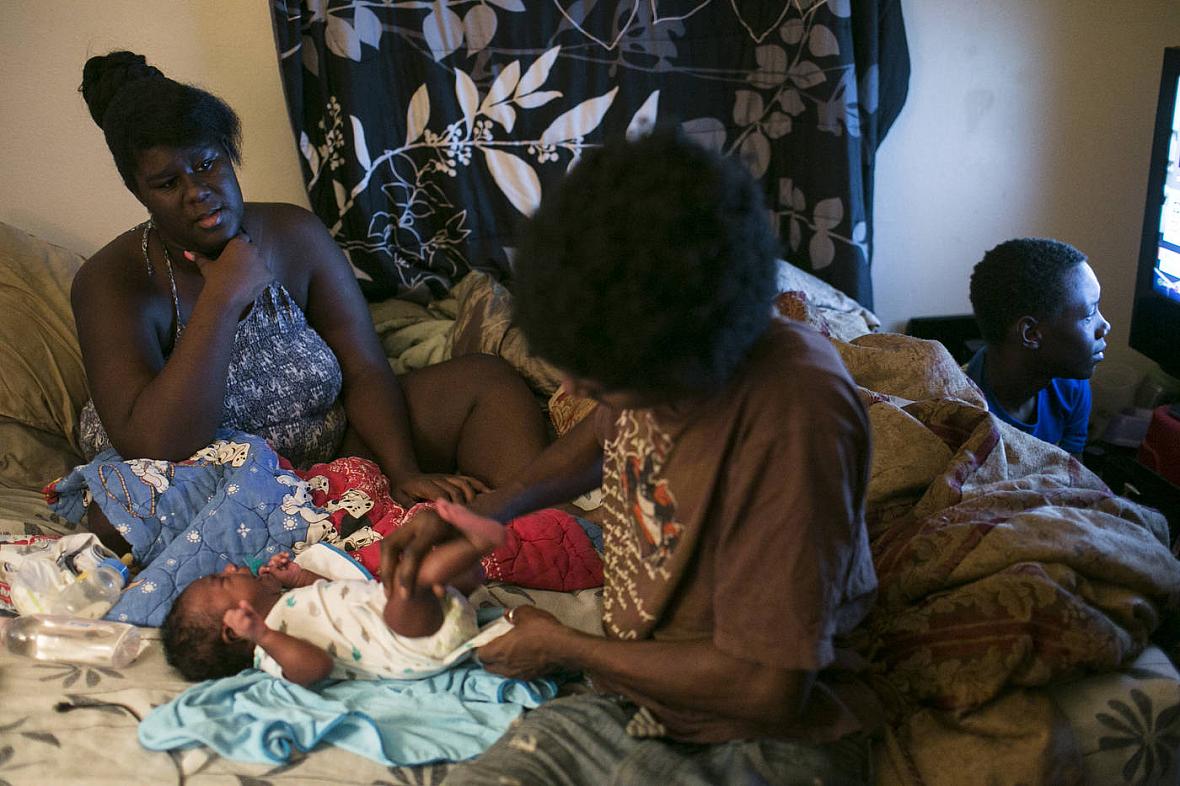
1036,302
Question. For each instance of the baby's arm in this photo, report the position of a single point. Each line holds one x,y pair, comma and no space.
289,573
302,662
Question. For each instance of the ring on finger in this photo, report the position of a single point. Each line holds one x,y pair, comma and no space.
511,616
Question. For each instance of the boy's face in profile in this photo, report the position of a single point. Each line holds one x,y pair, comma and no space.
1074,341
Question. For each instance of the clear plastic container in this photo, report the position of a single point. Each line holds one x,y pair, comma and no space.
36,584
92,594
71,639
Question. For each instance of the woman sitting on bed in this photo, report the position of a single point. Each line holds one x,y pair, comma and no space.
220,313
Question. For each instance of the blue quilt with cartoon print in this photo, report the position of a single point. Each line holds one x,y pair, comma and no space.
232,502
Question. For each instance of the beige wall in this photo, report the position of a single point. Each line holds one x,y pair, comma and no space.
1024,118
57,179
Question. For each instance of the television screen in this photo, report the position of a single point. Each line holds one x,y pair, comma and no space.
1155,317
1167,263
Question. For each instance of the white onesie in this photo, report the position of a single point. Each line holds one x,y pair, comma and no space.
345,617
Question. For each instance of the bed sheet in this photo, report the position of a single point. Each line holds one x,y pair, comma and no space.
95,739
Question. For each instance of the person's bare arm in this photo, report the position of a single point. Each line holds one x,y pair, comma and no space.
372,396
690,675
152,408
302,662
570,466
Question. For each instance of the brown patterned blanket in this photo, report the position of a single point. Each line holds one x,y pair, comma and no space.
1004,566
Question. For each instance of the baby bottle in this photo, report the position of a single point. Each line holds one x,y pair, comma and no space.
58,638
94,591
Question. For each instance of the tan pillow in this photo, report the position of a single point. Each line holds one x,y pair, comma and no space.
31,458
42,382
484,324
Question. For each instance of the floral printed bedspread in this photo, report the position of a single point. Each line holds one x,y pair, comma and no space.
1004,566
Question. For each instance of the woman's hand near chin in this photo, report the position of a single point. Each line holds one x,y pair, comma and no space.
239,274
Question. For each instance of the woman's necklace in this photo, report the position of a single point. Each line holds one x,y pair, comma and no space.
147,228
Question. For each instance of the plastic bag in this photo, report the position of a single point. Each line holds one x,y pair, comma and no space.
37,573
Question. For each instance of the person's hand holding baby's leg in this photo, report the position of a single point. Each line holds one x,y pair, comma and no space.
415,610
457,562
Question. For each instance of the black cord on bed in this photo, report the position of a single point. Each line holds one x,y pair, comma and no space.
69,706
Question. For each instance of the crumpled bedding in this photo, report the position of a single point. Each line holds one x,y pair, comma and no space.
1004,566
230,503
548,549
238,502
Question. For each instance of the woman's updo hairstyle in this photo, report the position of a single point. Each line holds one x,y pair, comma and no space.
139,108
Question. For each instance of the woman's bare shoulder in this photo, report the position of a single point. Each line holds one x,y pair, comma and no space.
293,238
289,228
113,293
282,218
118,266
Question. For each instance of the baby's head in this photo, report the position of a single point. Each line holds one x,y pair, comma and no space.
197,642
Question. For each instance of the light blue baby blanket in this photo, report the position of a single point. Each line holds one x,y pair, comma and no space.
254,717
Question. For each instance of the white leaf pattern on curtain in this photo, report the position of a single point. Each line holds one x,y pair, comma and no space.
427,127
645,117
417,115
479,26
468,95
443,30
358,143
579,121
516,179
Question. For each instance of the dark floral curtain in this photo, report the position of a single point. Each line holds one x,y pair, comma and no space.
429,128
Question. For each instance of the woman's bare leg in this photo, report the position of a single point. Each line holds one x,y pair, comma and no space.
473,415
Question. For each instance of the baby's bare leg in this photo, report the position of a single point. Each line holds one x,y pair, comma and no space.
417,611
413,611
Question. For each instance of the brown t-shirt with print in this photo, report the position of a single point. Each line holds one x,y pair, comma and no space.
740,519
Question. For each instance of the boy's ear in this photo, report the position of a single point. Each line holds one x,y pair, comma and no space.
1028,332
228,635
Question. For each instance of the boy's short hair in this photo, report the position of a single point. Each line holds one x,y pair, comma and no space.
650,267
1018,278
193,645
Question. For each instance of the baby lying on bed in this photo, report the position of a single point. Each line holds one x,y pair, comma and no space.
344,626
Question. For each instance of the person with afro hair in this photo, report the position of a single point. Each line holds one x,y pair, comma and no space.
732,452
1036,303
